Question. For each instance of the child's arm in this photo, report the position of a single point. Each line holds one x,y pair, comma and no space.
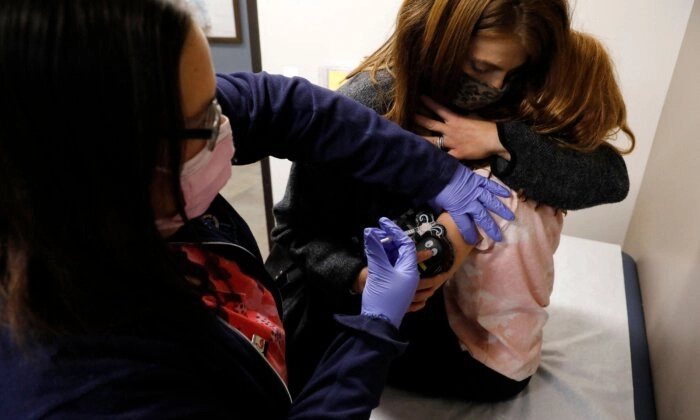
427,286
536,165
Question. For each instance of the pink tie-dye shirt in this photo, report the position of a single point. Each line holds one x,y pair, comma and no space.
495,302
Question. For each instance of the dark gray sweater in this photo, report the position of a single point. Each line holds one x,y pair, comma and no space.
322,215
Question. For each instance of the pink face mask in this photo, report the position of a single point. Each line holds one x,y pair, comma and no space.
203,176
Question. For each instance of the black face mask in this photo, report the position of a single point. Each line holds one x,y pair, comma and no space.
472,94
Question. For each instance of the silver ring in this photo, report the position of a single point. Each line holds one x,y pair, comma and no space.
440,143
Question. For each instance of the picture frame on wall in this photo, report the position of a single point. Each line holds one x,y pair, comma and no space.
219,19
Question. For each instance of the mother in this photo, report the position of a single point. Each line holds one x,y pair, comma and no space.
501,88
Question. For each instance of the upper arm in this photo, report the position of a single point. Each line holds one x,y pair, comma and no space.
460,247
293,119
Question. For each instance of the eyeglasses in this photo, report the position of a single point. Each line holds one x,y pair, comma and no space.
211,125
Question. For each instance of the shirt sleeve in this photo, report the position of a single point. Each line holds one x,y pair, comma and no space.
350,379
331,259
293,119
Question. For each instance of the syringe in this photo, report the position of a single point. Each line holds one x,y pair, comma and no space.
391,238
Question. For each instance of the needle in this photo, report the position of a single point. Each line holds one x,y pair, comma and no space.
390,238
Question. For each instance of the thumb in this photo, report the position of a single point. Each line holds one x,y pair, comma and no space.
373,247
407,261
466,227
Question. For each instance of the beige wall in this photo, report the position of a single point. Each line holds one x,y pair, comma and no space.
301,37
664,238
643,38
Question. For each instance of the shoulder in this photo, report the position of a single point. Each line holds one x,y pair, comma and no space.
375,94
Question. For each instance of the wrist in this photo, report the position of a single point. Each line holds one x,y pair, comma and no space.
497,148
396,323
438,203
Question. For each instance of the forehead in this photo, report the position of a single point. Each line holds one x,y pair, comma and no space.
505,52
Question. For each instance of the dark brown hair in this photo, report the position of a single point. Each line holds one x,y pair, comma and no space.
426,52
89,90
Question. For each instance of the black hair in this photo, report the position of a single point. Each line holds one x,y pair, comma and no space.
89,90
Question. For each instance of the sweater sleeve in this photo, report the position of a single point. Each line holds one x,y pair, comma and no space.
320,235
349,380
560,177
545,172
293,119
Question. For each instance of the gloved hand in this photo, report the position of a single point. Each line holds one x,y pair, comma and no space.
467,197
392,276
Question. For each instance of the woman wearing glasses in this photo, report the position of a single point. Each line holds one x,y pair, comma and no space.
117,136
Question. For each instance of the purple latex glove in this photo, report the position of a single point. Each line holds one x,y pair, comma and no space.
392,276
467,197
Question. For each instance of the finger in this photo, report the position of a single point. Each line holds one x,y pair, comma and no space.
415,307
466,227
424,295
423,255
496,188
431,139
495,205
430,124
485,221
375,234
455,153
405,256
392,229
373,247
431,282
440,110
445,146
369,234
424,287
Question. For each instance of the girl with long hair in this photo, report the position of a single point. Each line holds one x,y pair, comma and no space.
502,84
